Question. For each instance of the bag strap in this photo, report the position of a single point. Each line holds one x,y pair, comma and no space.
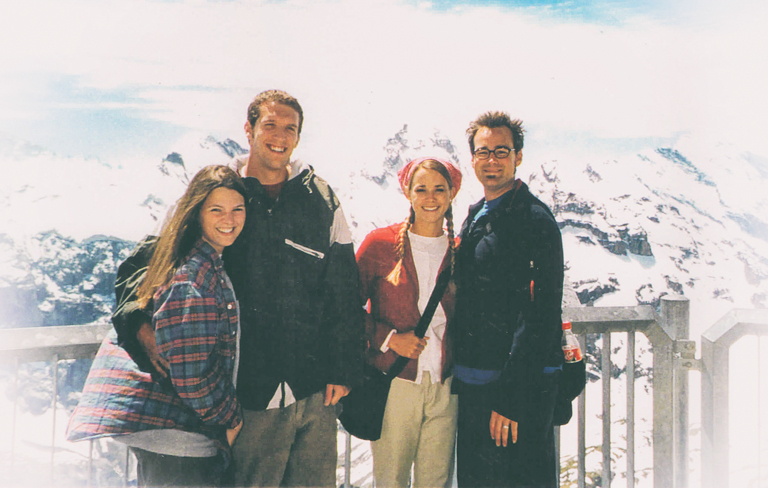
426,318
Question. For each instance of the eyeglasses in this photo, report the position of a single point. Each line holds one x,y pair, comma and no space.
500,152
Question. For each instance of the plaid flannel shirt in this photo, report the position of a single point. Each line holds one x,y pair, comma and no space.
196,325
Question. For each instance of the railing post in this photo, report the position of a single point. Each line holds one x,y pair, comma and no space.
90,463
557,452
715,462
582,426
15,409
127,466
675,318
630,409
662,339
348,461
55,373
605,373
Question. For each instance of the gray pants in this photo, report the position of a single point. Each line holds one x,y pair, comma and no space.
161,470
291,446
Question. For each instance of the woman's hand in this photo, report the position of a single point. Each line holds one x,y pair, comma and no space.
407,344
232,433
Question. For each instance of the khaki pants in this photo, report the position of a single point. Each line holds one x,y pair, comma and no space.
291,446
419,431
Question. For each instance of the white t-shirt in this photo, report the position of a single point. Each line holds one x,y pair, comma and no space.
428,254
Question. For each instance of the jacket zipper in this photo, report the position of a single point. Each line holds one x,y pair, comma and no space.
531,281
304,249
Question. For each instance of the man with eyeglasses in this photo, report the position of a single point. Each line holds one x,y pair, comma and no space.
508,326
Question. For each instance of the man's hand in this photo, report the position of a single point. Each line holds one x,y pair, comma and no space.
146,337
502,429
232,433
334,393
407,344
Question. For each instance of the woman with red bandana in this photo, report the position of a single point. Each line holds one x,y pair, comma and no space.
399,266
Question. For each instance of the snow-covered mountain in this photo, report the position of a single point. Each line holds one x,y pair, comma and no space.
688,219
684,220
668,220
64,231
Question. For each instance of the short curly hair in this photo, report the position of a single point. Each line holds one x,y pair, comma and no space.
492,120
278,96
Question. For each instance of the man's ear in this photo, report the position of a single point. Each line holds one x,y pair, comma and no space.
248,131
518,157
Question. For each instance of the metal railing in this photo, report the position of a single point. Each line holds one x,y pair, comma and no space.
716,344
50,345
667,334
673,357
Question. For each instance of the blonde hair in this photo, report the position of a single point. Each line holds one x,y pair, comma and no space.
394,275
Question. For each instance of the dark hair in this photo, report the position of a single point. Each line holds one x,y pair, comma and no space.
495,119
182,230
278,96
394,275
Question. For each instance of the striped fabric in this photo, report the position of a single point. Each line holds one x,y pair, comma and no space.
196,325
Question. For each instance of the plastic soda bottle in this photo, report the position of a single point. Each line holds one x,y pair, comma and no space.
571,348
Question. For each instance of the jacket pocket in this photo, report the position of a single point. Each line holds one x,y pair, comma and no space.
305,249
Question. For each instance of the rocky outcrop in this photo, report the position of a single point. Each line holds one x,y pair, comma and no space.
620,243
590,291
60,281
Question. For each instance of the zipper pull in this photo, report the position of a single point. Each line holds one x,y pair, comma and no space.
531,283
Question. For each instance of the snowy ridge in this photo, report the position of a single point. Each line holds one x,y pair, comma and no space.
686,219
638,228
667,220
66,229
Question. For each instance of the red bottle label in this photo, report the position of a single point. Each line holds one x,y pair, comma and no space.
572,354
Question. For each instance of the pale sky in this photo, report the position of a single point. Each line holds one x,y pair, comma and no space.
129,78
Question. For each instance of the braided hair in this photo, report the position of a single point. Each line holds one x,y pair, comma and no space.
394,276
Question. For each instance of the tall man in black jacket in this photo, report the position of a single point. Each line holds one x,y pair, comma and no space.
302,331
508,327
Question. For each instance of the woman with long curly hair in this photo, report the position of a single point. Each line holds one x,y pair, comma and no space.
180,428
399,266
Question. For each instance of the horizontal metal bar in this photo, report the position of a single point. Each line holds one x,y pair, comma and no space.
40,343
598,320
737,323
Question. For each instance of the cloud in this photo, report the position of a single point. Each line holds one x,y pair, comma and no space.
365,68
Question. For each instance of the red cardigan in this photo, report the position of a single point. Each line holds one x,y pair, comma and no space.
395,307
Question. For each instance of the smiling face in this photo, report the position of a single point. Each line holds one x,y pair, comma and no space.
222,217
496,175
272,139
430,197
